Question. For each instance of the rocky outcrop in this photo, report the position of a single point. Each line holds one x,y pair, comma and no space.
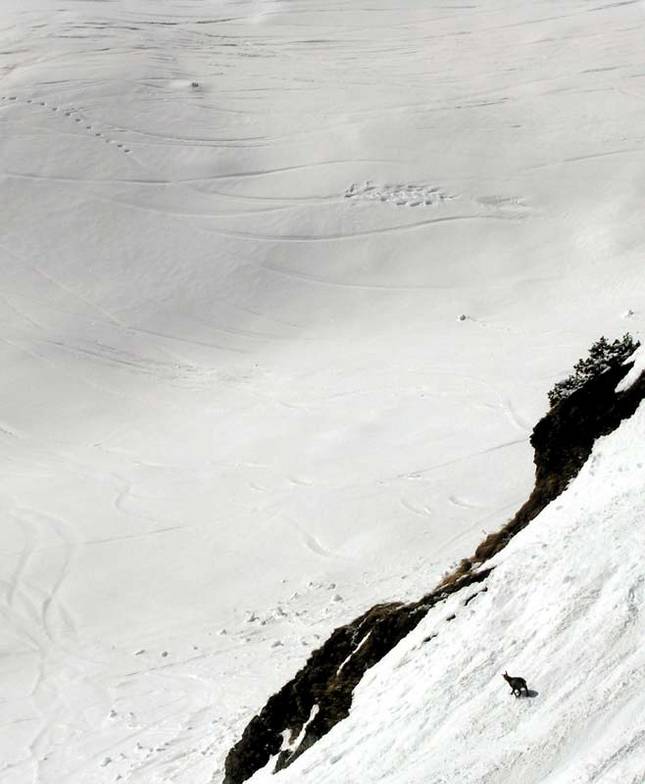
563,441
320,694
327,682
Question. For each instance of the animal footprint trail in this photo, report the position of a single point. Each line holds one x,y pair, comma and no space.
424,196
399,195
70,113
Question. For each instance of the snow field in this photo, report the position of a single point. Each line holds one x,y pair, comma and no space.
226,385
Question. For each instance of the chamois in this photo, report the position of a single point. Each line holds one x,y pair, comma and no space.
517,685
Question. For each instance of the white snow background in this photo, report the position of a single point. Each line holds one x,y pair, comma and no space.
238,402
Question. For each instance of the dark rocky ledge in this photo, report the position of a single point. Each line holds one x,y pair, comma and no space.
562,441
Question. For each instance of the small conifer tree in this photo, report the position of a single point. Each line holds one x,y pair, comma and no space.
602,356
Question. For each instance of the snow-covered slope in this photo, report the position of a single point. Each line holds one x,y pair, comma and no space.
564,609
321,694
236,394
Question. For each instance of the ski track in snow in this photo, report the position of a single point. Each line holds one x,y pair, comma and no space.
273,344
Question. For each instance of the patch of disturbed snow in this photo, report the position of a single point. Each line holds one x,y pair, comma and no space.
563,610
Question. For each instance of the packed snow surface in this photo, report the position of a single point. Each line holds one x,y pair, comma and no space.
563,609
284,285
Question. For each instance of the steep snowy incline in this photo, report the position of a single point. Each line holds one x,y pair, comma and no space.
563,441
564,609
238,405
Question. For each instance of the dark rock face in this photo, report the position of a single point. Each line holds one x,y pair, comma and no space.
327,681
562,440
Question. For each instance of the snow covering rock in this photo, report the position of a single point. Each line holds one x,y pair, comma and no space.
637,363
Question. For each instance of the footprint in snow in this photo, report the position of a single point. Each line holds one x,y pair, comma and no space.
406,195
69,112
